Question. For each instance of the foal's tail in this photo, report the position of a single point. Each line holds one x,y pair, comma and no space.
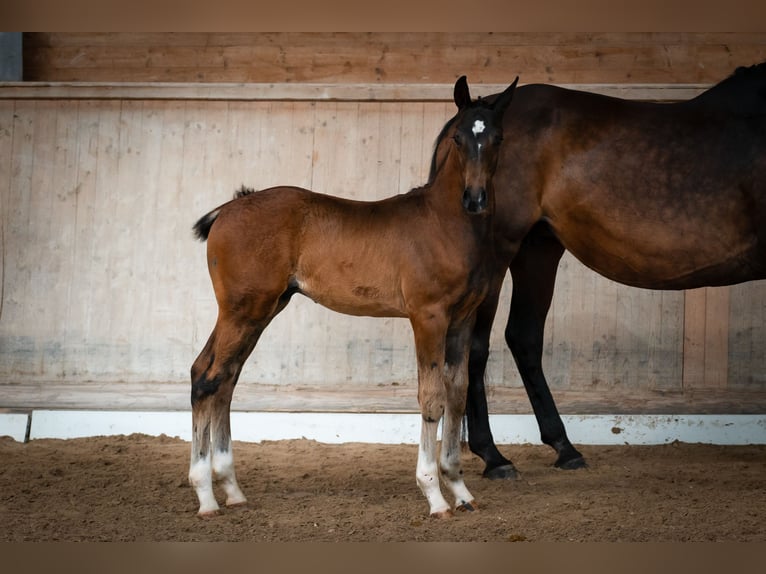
202,227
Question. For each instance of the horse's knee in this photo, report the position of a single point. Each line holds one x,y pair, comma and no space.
432,393
432,410
204,385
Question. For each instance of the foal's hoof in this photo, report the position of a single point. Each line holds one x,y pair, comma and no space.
504,472
468,507
443,514
238,505
571,464
207,514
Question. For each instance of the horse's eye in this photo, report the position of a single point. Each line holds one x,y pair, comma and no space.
458,139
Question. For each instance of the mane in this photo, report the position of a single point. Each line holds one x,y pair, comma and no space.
744,91
434,167
243,191
749,71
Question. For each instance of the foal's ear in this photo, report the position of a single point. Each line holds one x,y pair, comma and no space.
502,101
461,94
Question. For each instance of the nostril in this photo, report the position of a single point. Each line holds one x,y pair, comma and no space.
467,199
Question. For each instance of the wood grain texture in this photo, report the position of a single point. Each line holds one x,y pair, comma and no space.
389,57
103,282
103,286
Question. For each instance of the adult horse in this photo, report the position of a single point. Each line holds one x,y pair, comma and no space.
659,196
425,255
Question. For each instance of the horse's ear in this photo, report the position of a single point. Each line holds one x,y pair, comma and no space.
461,93
502,101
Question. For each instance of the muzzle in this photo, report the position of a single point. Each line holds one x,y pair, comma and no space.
475,200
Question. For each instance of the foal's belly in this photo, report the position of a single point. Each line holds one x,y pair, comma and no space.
353,297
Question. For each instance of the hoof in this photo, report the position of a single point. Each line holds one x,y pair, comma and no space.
207,514
240,504
504,472
442,515
571,464
468,507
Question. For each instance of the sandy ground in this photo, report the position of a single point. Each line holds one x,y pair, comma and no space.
134,488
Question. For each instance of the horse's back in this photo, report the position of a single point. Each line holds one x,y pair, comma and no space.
648,194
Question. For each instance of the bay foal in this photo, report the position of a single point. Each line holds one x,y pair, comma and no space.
419,255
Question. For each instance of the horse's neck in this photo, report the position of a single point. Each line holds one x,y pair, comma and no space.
744,92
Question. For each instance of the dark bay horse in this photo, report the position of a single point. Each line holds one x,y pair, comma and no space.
425,255
659,196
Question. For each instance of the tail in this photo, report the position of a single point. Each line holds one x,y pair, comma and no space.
202,227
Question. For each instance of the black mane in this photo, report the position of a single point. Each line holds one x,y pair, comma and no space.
243,191
751,70
439,138
743,92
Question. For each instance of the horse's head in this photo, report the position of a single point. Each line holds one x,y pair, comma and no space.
476,133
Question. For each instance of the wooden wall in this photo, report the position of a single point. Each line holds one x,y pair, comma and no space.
102,281
390,58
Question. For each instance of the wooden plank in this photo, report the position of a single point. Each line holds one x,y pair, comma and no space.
717,337
608,336
747,336
105,276
64,197
695,305
706,338
181,267
407,39
18,348
364,398
387,57
666,337
6,164
356,92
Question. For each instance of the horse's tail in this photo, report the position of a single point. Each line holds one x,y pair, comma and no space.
202,227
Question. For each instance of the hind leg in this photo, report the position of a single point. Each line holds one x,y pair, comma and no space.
214,375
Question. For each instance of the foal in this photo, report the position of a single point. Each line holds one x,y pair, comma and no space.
419,255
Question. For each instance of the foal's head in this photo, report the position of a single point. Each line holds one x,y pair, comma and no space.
473,135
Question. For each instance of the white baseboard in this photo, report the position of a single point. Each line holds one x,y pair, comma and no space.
14,425
336,428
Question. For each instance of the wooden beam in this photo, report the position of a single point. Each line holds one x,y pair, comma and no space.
402,398
309,91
